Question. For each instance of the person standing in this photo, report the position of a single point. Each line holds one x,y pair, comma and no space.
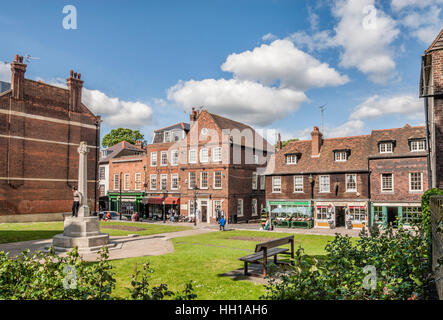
197,215
76,202
218,214
222,223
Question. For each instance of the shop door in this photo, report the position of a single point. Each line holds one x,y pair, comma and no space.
339,216
392,216
204,211
128,207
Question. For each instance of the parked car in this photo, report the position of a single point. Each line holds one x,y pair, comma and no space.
114,215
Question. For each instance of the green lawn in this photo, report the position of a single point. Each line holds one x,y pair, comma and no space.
13,232
203,259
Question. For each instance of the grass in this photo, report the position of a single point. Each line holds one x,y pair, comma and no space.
203,259
14,232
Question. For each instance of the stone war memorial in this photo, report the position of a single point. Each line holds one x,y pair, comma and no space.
82,231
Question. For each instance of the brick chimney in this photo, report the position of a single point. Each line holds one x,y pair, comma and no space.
139,143
317,141
279,144
193,117
75,86
18,69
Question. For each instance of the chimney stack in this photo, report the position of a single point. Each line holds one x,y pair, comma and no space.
279,144
18,69
317,141
75,86
139,143
193,117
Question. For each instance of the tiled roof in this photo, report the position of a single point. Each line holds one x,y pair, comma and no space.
437,44
180,125
401,136
118,148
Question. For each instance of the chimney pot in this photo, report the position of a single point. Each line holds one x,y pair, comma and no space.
317,141
75,86
18,70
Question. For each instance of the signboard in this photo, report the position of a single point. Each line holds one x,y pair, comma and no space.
184,207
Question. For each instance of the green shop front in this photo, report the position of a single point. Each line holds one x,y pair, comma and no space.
127,202
385,213
291,214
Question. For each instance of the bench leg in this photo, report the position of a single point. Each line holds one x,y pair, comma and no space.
275,259
246,268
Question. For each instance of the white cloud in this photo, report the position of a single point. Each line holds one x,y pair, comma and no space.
376,106
243,100
349,128
401,4
366,42
5,72
114,112
316,41
281,62
269,37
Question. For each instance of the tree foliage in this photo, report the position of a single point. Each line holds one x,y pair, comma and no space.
121,134
46,276
284,143
400,259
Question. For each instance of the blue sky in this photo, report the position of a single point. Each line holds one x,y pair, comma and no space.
268,63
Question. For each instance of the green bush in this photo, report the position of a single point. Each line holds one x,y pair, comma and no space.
46,276
400,260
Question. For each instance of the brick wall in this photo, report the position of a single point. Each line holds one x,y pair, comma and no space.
130,165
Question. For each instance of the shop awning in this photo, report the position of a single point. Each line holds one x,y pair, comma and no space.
155,200
172,200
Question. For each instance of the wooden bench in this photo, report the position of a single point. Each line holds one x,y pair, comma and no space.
268,249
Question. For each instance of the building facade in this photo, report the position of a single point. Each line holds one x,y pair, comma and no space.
41,127
431,89
377,178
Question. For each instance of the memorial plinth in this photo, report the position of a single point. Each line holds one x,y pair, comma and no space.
82,231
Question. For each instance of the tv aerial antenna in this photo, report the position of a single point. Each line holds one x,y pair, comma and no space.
29,58
322,110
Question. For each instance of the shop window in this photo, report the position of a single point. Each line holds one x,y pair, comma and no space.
378,214
411,215
358,214
322,213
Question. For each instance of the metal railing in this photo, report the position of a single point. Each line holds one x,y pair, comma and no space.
436,206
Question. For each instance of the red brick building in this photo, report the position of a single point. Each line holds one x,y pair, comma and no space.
431,89
377,177
41,127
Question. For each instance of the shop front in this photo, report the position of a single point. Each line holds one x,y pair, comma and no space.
357,211
395,214
159,206
126,203
291,214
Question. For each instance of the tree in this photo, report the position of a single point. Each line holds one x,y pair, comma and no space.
121,134
284,143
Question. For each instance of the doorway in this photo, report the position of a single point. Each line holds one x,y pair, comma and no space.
339,216
392,216
204,211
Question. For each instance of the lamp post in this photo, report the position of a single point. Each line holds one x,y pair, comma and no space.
164,210
195,205
311,181
120,204
145,185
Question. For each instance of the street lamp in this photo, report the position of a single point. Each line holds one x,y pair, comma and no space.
164,210
120,205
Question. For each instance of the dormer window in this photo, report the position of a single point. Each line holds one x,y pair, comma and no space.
291,159
417,145
341,156
386,147
167,136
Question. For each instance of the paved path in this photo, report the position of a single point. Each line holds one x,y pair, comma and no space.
126,246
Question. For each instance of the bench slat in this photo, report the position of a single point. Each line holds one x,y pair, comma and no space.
273,243
259,255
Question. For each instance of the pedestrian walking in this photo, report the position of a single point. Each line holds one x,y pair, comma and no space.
76,202
197,215
222,223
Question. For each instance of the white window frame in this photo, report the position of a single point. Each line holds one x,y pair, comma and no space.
126,181
166,134
340,156
240,201
221,181
254,205
204,159
295,184
216,154
417,144
137,174
174,157
274,179
381,182
201,180
102,169
150,182
262,182
346,182
116,181
421,182
321,184
190,158
163,177
189,179
385,149
174,176
291,159
153,158
214,207
163,153
254,181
